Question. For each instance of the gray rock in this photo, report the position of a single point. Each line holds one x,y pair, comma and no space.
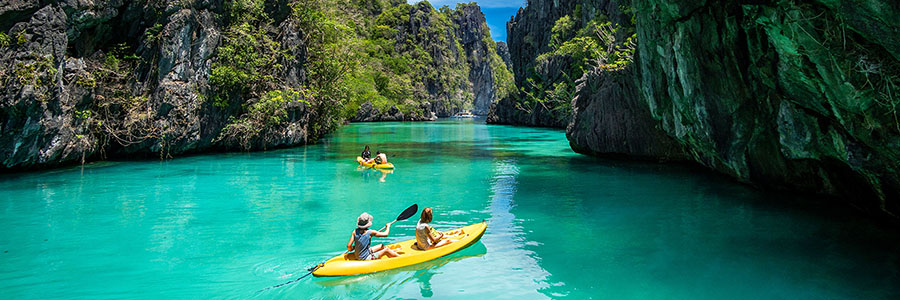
503,51
471,30
37,116
610,120
367,113
393,114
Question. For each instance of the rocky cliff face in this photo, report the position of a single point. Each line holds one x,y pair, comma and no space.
451,54
544,69
503,51
787,95
610,120
85,80
791,94
93,79
474,36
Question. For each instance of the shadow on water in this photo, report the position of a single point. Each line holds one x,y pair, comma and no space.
420,273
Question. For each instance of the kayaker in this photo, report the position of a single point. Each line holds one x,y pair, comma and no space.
361,238
366,155
380,158
424,238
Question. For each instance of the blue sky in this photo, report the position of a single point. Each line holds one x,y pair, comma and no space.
496,13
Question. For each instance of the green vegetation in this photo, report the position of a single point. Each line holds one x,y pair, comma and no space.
153,34
268,112
397,69
249,56
309,62
4,40
251,60
39,73
83,114
504,82
583,47
356,51
86,81
21,39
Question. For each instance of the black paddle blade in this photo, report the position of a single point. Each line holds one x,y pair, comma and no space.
409,212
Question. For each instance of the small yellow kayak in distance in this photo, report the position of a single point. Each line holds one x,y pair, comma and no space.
363,162
346,264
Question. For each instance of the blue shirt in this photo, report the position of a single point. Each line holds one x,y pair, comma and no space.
361,241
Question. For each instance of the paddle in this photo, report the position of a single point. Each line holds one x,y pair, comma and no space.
409,212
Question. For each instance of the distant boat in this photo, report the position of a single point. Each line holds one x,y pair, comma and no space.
463,115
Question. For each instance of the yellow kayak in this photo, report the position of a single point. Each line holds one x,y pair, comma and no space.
346,264
363,162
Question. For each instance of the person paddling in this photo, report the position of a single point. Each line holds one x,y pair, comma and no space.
361,238
380,158
424,239
366,155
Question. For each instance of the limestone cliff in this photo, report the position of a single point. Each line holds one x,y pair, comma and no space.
545,69
790,94
80,81
474,36
87,80
443,57
797,95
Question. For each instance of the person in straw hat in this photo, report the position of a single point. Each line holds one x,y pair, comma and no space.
361,238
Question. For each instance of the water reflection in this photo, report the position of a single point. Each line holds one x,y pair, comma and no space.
367,173
507,237
384,174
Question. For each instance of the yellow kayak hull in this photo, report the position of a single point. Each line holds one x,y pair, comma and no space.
346,264
363,163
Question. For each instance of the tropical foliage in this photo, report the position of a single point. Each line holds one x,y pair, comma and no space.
575,48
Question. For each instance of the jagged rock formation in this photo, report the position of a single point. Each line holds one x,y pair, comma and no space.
89,79
85,80
610,120
503,51
530,36
505,111
474,36
445,57
788,95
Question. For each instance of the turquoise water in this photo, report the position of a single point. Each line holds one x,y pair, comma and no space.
560,225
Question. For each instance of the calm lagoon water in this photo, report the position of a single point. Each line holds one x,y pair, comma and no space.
560,225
